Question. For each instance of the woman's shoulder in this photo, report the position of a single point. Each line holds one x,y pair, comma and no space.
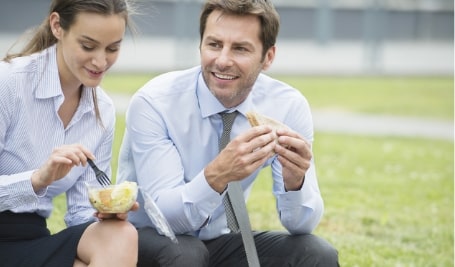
105,105
22,64
12,74
105,102
20,69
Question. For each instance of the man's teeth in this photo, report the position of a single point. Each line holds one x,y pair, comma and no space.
224,76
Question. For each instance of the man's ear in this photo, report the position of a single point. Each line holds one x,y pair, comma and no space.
54,23
269,57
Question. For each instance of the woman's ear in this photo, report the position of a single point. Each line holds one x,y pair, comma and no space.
54,23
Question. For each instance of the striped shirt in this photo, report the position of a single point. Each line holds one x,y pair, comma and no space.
30,128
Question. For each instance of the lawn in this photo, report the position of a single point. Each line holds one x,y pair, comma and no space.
388,201
429,97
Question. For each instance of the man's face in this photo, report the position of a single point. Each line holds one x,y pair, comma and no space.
231,56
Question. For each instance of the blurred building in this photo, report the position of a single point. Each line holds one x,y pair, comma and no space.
336,37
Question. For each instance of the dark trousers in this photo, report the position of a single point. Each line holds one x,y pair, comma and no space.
275,249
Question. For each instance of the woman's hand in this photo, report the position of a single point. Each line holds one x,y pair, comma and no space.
59,163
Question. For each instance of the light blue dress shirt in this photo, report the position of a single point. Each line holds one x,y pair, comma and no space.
30,128
172,133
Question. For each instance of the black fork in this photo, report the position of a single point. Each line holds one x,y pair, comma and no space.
101,177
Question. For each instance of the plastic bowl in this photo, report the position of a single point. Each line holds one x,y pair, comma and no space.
117,198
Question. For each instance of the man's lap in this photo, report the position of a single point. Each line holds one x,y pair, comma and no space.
274,249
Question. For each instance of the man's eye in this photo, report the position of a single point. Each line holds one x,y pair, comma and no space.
213,44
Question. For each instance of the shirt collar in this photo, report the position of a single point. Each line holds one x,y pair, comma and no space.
49,81
47,67
210,105
86,103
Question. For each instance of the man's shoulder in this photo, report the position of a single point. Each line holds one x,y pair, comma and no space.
270,87
173,82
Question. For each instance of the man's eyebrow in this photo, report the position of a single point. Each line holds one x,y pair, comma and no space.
244,43
212,38
241,43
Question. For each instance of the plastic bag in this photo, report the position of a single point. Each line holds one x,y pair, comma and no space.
157,217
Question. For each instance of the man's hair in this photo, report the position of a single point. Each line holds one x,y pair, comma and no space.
263,9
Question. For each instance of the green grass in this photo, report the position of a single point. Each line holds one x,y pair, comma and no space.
388,201
408,96
430,97
125,83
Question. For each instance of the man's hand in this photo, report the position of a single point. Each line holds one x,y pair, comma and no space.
294,154
241,157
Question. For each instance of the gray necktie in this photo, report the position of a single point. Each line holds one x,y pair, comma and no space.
234,202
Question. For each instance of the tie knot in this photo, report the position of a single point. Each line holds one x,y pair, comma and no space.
228,118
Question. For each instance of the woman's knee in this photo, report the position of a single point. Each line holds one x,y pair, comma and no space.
126,231
109,241
123,231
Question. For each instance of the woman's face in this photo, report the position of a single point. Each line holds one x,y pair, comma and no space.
231,56
88,48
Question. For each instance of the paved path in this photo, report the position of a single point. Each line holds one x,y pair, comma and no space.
351,123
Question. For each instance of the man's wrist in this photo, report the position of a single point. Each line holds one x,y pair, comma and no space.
298,188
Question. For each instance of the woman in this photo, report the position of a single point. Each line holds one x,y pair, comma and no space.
53,117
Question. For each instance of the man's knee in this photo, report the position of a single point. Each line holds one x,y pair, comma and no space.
318,252
194,253
178,255
157,250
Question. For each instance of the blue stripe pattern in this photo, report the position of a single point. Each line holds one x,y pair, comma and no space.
30,128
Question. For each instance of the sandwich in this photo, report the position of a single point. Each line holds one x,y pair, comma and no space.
256,119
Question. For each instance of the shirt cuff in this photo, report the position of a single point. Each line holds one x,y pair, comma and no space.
290,199
200,193
19,191
25,184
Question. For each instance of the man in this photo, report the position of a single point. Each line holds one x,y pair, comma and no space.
171,148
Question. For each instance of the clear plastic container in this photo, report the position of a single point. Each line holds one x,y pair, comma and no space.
117,198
